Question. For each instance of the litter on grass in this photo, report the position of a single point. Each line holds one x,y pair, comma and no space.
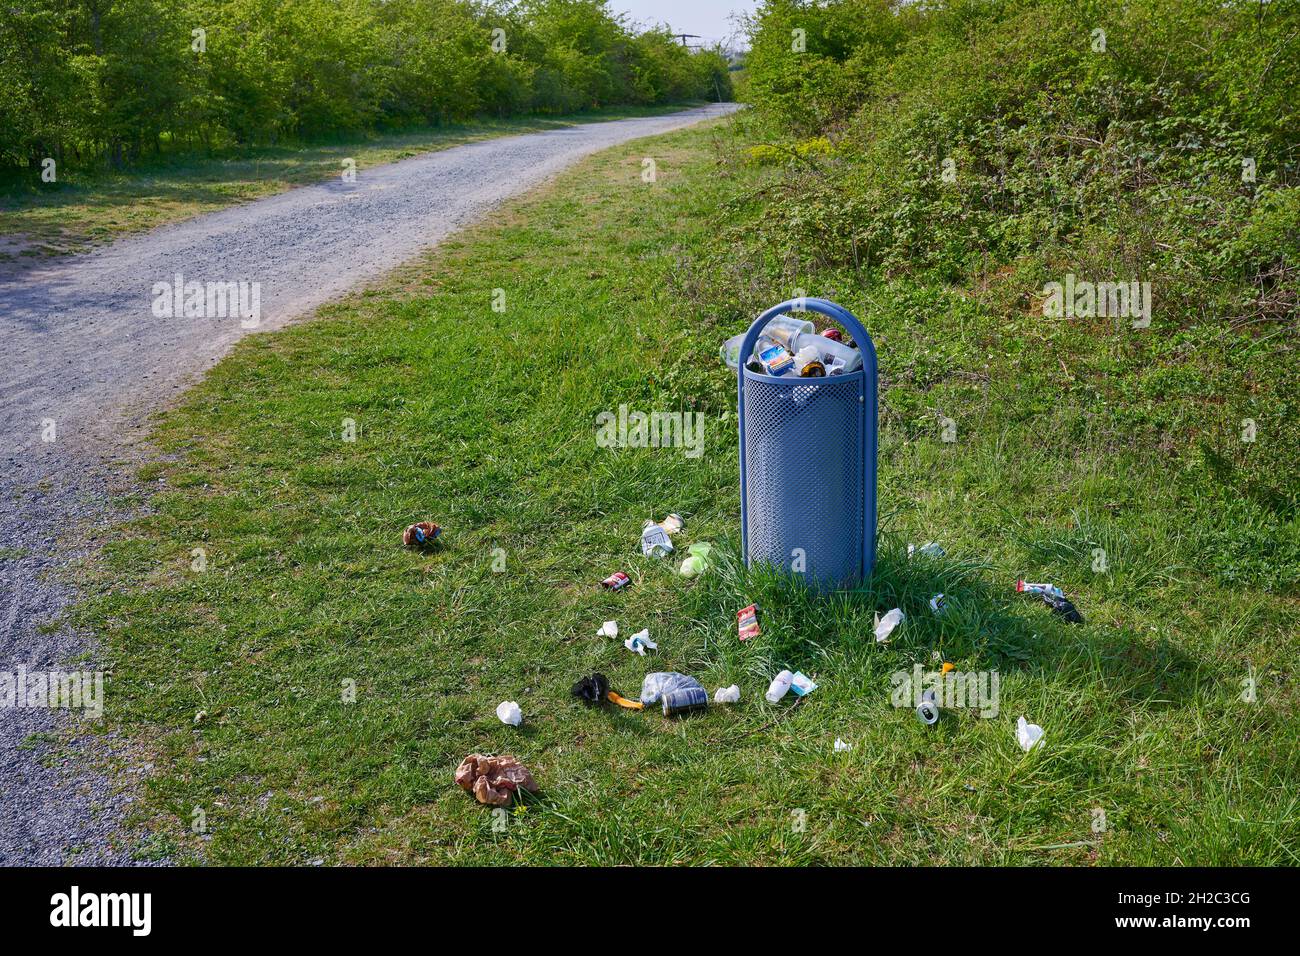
508,712
673,523
888,624
779,687
802,684
1054,598
494,780
931,549
640,642
608,629
938,604
1028,735
591,689
747,622
727,695
697,559
594,689
655,542
1026,587
928,710
1064,607
421,534
665,682
842,747
616,581
685,700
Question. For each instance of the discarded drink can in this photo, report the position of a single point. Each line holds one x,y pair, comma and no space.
833,334
616,581
682,701
928,712
813,370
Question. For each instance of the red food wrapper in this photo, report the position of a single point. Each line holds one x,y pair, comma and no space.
747,622
616,581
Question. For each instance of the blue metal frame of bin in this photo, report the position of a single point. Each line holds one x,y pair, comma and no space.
808,460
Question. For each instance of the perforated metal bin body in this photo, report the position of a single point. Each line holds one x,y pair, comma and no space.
808,461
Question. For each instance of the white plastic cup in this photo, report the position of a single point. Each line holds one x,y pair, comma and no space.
779,687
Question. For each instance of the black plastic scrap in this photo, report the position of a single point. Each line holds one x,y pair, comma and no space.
1063,606
592,689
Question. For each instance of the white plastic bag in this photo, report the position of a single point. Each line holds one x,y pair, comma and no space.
509,713
659,683
1028,735
727,695
640,642
888,624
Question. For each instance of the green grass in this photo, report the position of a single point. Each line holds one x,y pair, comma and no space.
618,291
87,206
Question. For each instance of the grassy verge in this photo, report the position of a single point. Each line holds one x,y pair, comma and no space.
88,206
236,675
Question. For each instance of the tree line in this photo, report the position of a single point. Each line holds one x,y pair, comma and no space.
109,81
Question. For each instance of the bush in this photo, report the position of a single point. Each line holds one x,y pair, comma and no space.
113,81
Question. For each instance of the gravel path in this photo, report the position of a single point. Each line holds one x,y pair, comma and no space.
87,357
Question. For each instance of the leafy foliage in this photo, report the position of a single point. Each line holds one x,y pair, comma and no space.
91,79
983,149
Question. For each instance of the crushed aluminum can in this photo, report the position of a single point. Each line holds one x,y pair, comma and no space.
616,581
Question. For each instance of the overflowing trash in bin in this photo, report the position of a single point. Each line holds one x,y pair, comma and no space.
790,346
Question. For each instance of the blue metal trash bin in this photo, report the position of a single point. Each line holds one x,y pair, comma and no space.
808,461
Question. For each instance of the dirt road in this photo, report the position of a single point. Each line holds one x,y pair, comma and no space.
93,344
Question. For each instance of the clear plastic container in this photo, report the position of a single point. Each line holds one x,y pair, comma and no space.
795,335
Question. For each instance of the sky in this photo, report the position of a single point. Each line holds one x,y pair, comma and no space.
709,18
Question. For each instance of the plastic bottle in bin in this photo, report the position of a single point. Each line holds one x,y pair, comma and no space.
794,335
